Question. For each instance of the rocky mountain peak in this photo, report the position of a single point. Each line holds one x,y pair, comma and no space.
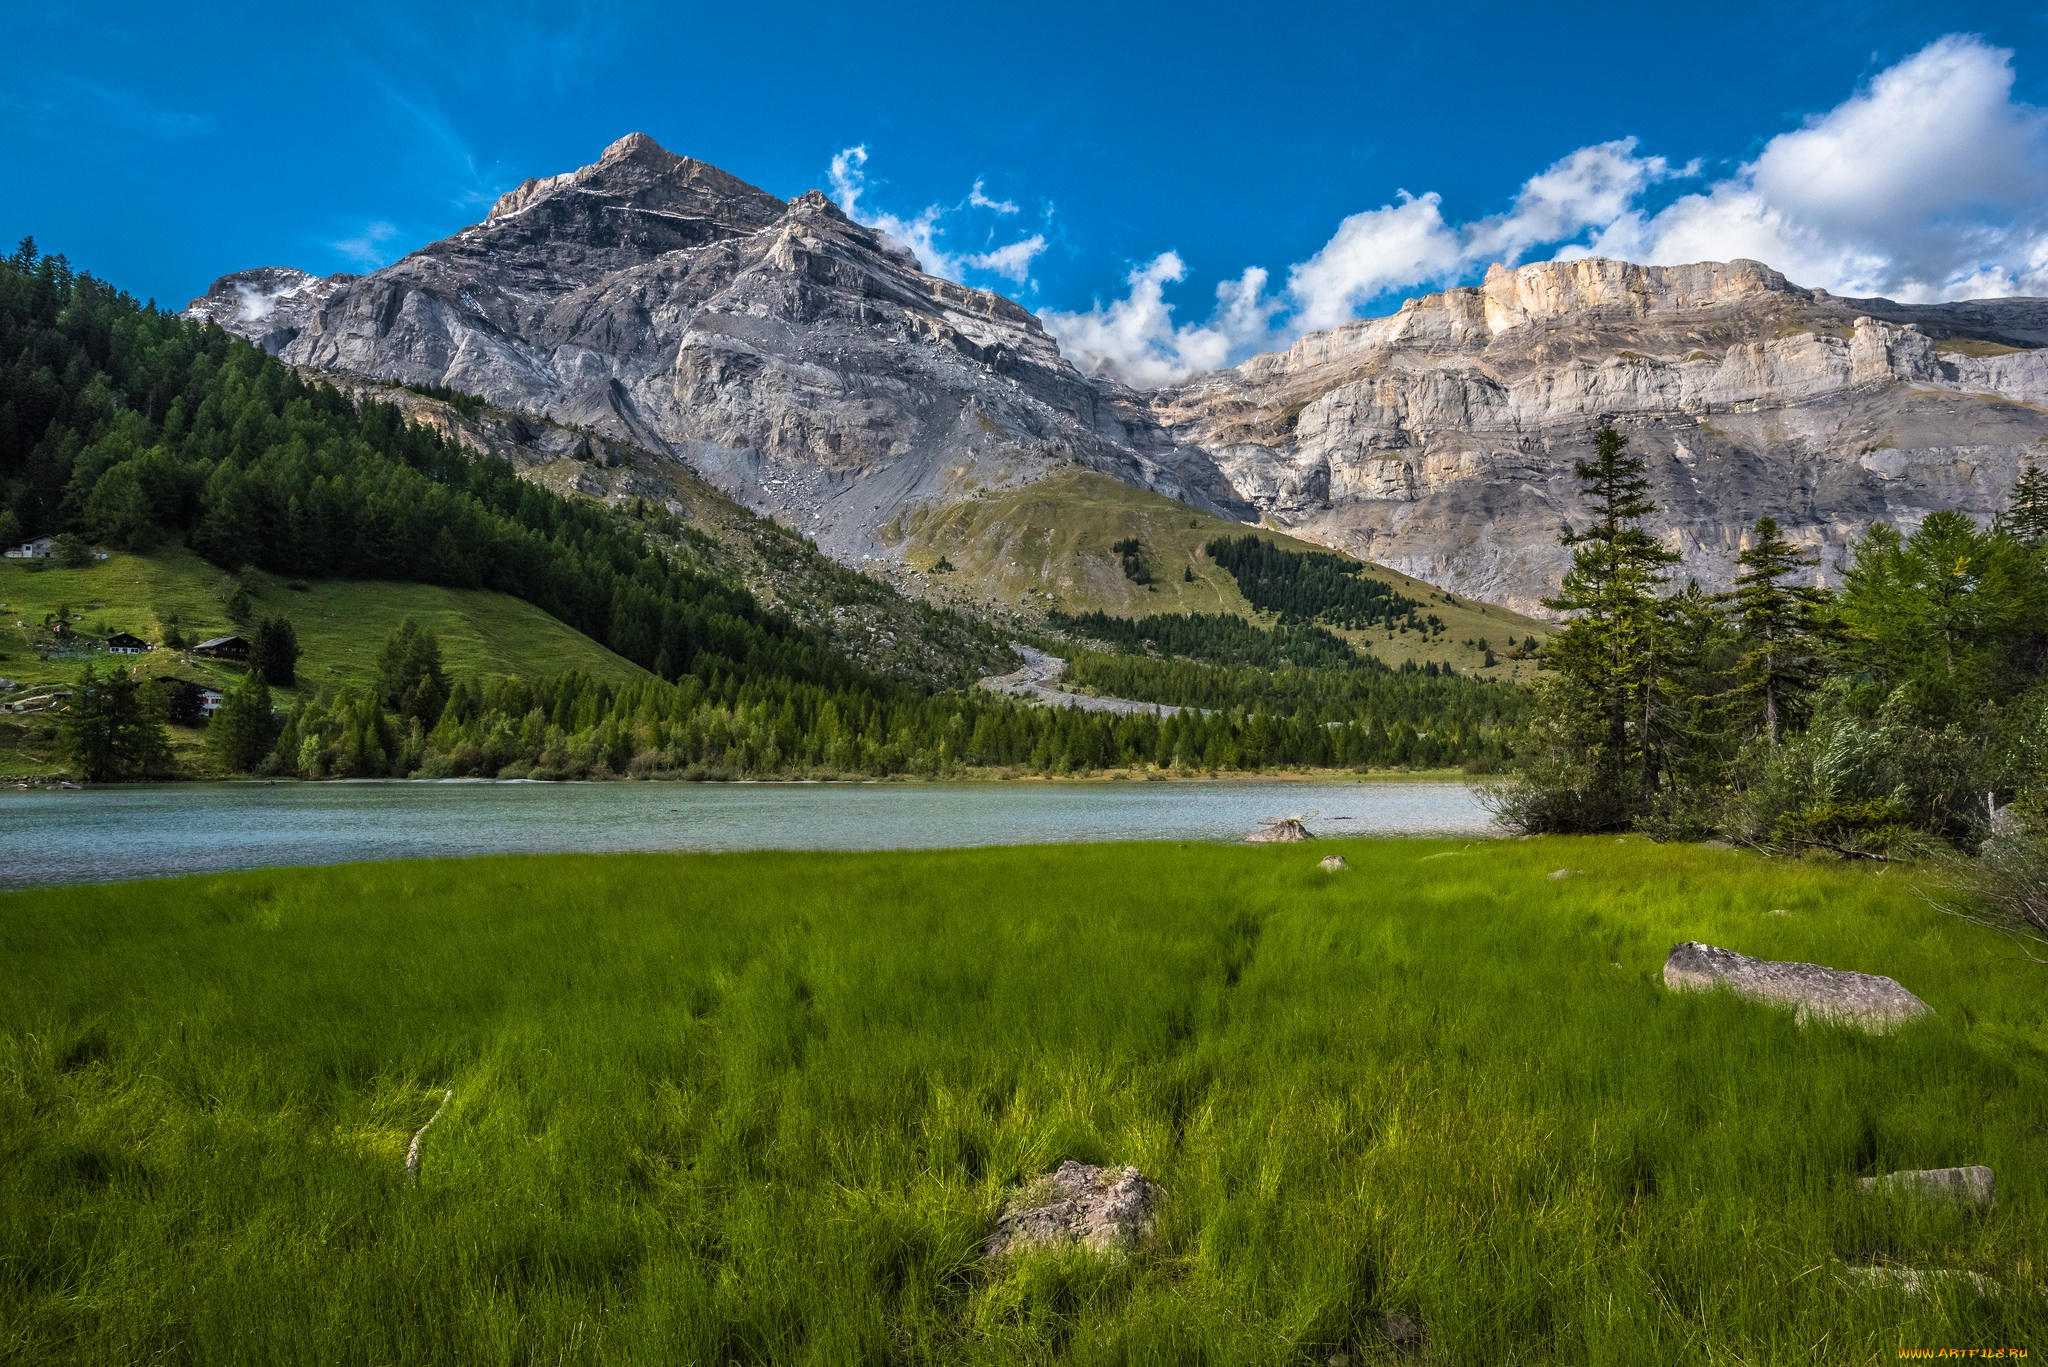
637,173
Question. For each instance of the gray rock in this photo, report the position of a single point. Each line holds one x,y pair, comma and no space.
1556,874
1106,1210
1333,863
1440,440
1975,1187
1862,999
1403,1333
1911,1281
1278,830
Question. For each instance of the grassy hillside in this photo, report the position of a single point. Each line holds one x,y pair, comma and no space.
1049,546
340,623
766,1107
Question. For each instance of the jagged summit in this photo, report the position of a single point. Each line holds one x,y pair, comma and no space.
638,174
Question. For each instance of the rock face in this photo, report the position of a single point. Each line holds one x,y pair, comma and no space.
1278,830
809,368
1441,440
1861,999
1975,1187
1105,1210
798,360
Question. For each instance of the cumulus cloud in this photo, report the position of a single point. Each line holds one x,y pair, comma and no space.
920,235
1135,338
1931,183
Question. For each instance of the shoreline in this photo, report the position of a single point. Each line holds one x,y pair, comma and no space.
51,782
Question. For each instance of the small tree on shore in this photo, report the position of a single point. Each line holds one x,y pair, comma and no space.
243,729
113,729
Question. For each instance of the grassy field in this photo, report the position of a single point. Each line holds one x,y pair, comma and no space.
1053,538
765,1107
340,623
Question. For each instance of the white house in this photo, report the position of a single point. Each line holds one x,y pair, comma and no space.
38,549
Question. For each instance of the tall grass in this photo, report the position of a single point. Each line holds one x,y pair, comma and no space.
764,1108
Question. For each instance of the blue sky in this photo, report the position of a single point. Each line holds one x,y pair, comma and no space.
1343,156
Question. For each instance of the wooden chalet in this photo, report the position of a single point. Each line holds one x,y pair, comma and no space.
224,648
121,643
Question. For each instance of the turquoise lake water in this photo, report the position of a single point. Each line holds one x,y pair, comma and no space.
149,830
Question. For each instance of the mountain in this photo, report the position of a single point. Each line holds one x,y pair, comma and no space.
791,356
1441,440
807,367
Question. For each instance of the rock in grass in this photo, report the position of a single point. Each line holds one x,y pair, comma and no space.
1402,1332
1106,1210
1974,1187
1279,828
1913,1281
1333,863
1861,999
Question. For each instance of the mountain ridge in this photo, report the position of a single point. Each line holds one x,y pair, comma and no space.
804,364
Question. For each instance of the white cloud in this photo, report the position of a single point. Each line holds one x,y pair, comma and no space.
980,200
1135,339
1932,183
920,235
367,248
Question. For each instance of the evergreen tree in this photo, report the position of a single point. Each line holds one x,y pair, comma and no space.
113,729
274,651
2026,520
409,677
1779,624
1614,644
243,730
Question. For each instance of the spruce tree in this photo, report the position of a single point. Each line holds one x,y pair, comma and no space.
112,729
243,729
1779,624
274,651
1613,645
2026,520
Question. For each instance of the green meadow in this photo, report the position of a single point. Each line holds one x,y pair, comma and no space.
765,1108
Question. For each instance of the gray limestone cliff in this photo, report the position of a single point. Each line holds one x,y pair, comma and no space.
1441,440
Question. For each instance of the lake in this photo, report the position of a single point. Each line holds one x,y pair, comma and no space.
147,830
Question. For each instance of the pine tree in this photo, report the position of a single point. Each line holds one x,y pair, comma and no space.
274,651
409,677
1613,646
243,730
2026,519
112,729
1779,625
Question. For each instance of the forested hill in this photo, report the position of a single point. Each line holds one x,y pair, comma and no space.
130,426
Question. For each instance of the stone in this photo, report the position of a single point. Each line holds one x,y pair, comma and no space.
1862,999
1105,1210
1556,874
1402,1332
1910,1281
1974,1187
1279,829
1333,863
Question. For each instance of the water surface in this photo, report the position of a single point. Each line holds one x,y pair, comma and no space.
147,830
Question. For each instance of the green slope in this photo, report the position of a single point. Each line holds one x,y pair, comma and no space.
340,623
1048,546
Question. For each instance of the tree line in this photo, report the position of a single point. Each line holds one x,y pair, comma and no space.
1903,711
